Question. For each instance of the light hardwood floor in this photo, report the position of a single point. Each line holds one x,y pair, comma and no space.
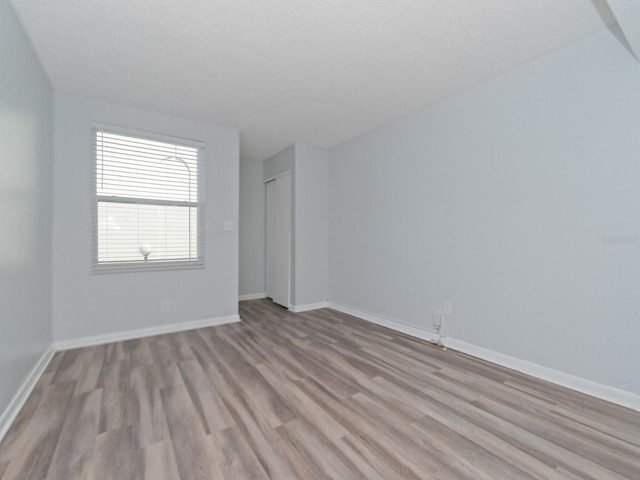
313,395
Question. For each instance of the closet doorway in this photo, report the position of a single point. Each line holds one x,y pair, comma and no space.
279,239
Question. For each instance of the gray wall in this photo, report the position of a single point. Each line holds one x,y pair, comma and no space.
251,228
25,207
498,199
311,225
280,163
86,304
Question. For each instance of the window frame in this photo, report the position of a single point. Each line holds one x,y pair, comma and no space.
141,265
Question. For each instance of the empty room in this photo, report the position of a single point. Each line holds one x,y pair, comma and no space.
308,240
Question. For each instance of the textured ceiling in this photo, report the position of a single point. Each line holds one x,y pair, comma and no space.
627,13
284,71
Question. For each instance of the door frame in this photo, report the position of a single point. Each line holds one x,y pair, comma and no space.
271,223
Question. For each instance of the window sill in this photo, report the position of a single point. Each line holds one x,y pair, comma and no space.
148,267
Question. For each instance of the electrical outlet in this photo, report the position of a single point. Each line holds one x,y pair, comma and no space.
448,307
165,305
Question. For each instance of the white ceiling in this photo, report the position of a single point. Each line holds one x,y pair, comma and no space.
285,71
627,13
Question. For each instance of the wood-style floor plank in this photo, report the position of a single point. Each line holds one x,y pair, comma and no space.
469,460
165,362
254,428
77,439
192,449
71,365
34,444
311,456
116,352
314,395
139,352
211,410
157,462
90,376
116,408
233,457
114,456
315,415
371,466
24,418
148,415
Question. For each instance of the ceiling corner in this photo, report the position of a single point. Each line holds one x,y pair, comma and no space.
627,13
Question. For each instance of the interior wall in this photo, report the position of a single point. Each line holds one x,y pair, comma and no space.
251,228
86,304
311,225
25,207
518,201
280,163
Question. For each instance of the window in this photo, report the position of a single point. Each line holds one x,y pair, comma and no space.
148,202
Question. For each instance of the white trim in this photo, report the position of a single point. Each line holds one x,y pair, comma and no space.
385,322
271,179
155,136
195,259
17,402
589,387
583,385
143,332
308,307
251,296
9,415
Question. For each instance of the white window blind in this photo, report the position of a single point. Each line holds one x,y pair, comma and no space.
148,203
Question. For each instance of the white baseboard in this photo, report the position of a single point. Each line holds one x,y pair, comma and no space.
579,384
308,307
385,322
589,387
142,332
11,412
251,296
8,416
